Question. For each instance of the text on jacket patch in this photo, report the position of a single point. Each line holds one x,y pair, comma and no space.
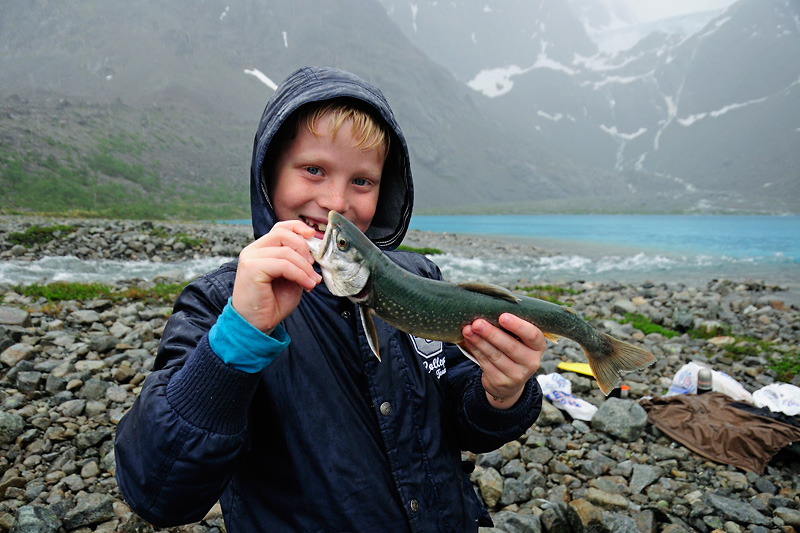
432,353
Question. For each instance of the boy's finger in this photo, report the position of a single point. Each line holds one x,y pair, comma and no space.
526,332
292,233
267,264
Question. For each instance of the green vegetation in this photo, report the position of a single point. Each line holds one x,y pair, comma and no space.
62,290
159,232
189,241
39,235
549,293
108,163
787,366
58,291
423,251
647,326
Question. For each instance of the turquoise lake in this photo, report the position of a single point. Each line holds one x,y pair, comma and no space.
624,248
630,248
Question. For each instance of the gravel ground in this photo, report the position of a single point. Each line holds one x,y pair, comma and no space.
69,371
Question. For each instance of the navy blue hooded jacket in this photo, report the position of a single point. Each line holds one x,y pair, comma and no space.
326,438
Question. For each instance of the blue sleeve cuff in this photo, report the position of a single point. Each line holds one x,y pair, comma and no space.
243,347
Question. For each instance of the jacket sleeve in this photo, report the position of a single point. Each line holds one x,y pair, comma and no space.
177,447
479,426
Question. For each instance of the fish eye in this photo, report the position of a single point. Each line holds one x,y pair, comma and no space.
342,243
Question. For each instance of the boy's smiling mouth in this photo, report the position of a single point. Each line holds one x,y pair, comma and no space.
319,226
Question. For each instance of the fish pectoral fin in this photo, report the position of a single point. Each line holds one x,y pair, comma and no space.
467,354
495,291
369,329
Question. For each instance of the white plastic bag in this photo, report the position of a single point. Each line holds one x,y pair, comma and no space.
558,390
685,382
779,397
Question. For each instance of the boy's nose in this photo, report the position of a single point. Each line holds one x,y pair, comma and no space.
333,199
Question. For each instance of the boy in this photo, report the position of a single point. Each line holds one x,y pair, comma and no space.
265,395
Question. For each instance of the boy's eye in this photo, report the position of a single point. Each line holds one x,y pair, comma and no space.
361,182
313,170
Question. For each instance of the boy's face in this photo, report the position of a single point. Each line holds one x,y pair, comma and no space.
316,174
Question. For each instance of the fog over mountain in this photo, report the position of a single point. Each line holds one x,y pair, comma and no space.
507,106
708,100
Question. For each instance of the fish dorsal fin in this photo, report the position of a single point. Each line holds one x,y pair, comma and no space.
495,291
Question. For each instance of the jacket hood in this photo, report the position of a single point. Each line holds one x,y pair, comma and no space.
315,84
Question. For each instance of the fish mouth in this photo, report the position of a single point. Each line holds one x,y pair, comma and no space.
362,295
317,245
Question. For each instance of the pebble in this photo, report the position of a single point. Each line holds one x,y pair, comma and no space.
68,373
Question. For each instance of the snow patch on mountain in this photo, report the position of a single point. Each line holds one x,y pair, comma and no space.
691,119
263,78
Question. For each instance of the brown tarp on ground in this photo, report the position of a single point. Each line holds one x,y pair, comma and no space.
709,426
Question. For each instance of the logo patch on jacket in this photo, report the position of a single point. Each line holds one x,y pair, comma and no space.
432,353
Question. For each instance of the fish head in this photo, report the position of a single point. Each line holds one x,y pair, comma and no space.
342,256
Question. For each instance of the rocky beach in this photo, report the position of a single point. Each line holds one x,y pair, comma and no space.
70,369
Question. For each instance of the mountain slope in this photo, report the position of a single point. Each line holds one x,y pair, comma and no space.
169,94
705,121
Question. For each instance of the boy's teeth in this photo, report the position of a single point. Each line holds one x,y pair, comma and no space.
318,227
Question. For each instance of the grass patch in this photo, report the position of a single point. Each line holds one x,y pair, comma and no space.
549,293
68,290
423,251
647,326
189,241
63,290
786,367
159,232
39,235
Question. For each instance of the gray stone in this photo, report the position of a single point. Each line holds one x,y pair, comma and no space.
620,523
555,518
90,509
514,491
28,382
490,484
736,510
682,319
11,426
493,459
94,389
623,306
790,517
511,522
643,476
623,419
35,519
16,353
13,316
5,340
103,343
86,317
550,415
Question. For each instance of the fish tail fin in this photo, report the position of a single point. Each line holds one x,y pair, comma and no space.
621,357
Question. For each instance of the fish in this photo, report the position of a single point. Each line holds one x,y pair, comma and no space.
352,266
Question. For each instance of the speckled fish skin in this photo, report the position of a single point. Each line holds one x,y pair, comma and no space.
354,267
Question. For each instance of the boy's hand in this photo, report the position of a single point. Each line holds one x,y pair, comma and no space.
272,274
507,362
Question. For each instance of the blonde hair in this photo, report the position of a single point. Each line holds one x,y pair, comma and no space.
368,131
